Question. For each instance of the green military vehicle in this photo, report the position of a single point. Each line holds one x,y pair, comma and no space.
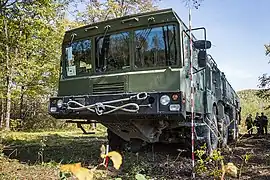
132,74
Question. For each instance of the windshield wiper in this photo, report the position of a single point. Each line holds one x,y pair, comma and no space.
165,45
168,44
102,51
173,40
143,35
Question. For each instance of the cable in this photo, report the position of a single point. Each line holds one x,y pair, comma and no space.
100,107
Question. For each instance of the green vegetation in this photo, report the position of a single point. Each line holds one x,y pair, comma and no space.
252,103
39,155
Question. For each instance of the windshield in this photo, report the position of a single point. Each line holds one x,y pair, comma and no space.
112,52
78,58
152,47
155,47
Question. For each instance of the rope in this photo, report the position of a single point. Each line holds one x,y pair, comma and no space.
100,107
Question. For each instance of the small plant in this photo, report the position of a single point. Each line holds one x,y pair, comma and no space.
209,165
201,168
245,158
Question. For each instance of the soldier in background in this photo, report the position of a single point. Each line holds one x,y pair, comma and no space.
264,123
249,124
257,123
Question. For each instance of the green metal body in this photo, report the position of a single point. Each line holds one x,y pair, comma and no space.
211,86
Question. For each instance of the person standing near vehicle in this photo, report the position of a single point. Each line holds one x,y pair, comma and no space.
264,122
249,124
256,123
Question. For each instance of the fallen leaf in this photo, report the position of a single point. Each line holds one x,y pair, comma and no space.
231,169
115,157
80,172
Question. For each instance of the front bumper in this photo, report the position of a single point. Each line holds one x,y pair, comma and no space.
128,105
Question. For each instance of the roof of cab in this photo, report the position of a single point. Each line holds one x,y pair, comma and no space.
124,23
157,12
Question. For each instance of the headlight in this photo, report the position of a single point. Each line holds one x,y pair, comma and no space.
59,103
164,100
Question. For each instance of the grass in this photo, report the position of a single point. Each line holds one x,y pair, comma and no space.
37,155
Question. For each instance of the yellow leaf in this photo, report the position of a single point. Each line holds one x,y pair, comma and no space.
231,169
80,172
115,157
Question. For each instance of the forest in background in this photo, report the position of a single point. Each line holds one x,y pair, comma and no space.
30,48
251,103
30,45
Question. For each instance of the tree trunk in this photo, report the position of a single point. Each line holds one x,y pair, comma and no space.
2,113
21,103
9,80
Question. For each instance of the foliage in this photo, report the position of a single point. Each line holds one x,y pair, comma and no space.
103,10
30,61
31,58
213,166
251,104
209,165
192,3
264,80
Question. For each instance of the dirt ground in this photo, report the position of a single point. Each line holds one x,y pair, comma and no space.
37,156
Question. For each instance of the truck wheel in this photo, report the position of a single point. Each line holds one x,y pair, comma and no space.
235,132
212,134
225,130
115,142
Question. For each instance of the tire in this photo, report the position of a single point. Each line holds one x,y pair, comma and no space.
225,131
234,129
211,135
236,132
223,122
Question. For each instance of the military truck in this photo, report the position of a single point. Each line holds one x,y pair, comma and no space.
132,74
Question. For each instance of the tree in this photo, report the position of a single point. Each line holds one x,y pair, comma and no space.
30,47
264,80
192,3
97,10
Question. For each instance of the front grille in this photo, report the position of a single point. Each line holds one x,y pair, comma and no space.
109,88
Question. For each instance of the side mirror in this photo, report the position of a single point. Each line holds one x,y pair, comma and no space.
202,57
202,44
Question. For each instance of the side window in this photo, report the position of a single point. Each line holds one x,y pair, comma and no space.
78,58
156,47
112,52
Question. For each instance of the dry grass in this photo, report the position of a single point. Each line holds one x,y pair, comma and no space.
13,169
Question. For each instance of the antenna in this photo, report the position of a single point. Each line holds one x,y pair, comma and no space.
191,97
196,4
